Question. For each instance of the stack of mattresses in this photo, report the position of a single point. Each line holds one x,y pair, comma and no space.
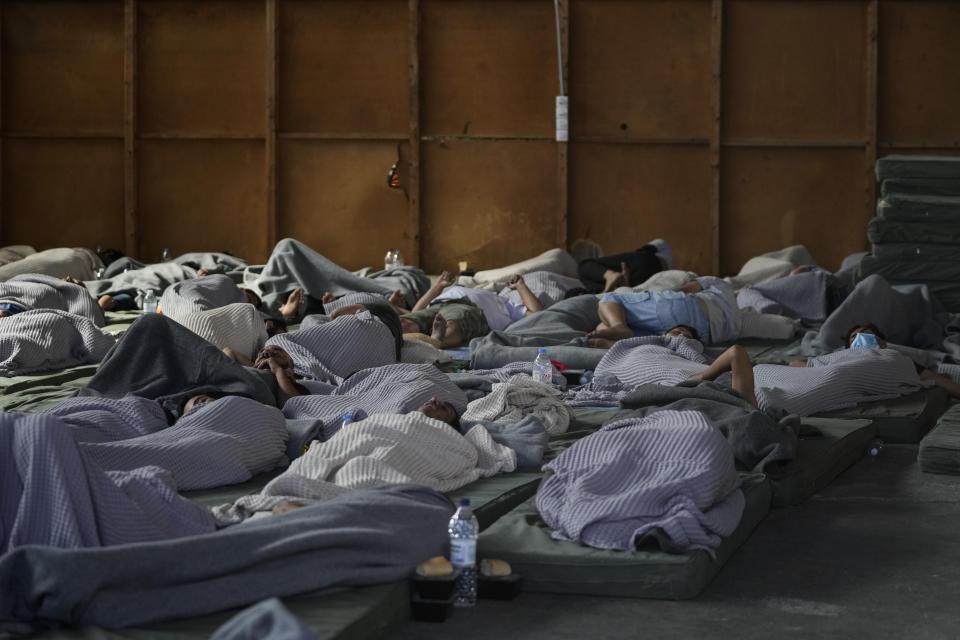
916,234
940,449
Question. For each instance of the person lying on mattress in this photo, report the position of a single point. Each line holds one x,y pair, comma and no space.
871,336
866,370
706,303
604,274
34,291
546,286
668,359
453,315
318,355
394,388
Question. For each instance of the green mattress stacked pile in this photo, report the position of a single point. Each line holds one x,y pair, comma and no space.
915,236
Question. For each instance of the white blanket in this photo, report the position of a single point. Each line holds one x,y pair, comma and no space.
383,449
518,397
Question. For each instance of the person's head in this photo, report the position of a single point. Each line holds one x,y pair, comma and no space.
440,410
196,401
275,326
682,330
273,352
252,297
867,327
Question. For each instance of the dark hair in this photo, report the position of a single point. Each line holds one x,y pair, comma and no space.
874,329
109,255
693,332
573,293
386,314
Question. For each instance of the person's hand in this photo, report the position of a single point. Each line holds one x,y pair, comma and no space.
202,272
446,279
73,280
327,297
515,281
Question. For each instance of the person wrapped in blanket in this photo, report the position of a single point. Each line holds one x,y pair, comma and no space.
33,291
318,355
869,335
452,315
706,304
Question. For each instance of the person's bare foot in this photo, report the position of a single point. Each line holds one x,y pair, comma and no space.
600,343
107,303
73,280
202,272
291,307
614,333
327,297
613,279
439,330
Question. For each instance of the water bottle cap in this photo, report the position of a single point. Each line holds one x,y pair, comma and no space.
541,350
464,502
348,416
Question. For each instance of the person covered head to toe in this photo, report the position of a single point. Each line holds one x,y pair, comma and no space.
866,334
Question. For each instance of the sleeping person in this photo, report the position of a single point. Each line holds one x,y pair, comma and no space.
707,304
452,314
34,291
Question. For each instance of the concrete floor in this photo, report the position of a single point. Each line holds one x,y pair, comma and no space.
875,555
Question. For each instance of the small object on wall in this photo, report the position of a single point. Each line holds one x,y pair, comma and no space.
393,177
562,118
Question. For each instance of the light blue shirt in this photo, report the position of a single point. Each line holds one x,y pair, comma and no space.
652,313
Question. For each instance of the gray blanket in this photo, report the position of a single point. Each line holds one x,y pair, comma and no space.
756,438
35,291
40,341
395,388
293,264
159,359
139,278
227,441
560,329
907,314
54,494
807,296
347,541
669,477
199,294
58,263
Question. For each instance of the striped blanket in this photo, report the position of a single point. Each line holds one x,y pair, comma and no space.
395,388
49,340
332,351
835,381
199,294
669,477
53,493
518,397
36,291
219,443
383,449
238,326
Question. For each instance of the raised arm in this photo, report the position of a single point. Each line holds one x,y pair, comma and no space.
530,301
445,280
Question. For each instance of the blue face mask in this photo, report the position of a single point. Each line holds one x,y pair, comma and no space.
865,340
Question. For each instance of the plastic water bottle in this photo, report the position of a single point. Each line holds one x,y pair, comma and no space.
166,255
463,530
388,260
397,260
347,419
149,304
99,274
875,447
542,369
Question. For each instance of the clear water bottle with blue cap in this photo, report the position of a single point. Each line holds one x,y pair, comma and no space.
397,260
463,530
347,419
389,260
166,255
542,368
875,447
149,303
